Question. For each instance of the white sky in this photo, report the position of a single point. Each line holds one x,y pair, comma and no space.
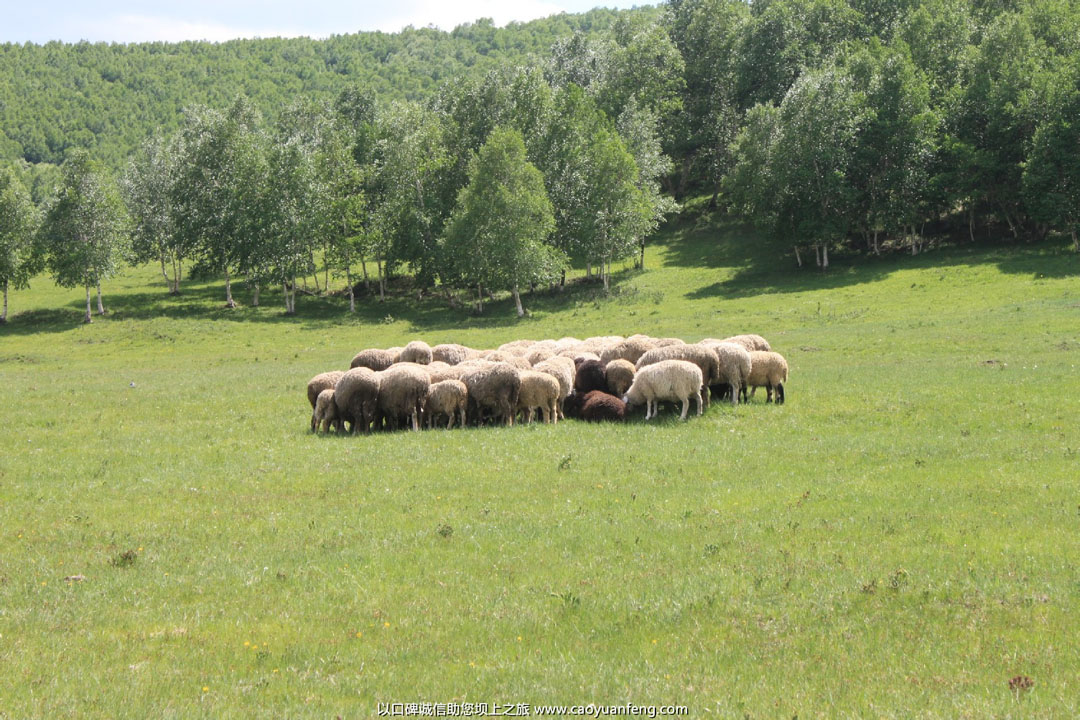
131,21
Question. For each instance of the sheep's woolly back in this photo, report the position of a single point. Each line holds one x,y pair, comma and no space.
374,359
356,395
750,342
566,343
767,368
403,391
516,347
322,381
439,371
734,364
704,357
417,351
670,380
562,369
630,349
537,355
667,342
538,390
600,407
619,374
494,387
451,353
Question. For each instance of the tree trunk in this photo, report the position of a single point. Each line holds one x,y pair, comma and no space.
255,296
641,263
588,269
798,257
479,299
517,301
326,275
3,314
100,306
229,302
1076,248
174,288
605,270
825,256
352,295
367,282
382,282
876,250
562,283
88,319
164,273
971,223
817,254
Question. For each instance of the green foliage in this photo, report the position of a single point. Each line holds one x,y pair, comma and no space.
84,232
497,235
18,223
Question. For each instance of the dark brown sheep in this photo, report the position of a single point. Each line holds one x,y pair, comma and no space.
590,376
598,406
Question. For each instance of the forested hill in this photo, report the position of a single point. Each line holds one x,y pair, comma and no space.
109,97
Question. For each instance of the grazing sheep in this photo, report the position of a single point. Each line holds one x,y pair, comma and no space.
566,343
702,356
356,397
402,393
449,398
537,355
750,342
599,406
572,405
562,369
322,381
325,412
734,368
667,380
768,370
516,347
538,390
439,371
417,351
619,374
451,353
505,357
589,377
494,388
630,349
375,359
667,342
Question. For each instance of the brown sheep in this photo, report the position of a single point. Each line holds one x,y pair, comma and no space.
538,390
599,406
451,353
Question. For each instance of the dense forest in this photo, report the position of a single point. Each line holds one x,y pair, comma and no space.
861,125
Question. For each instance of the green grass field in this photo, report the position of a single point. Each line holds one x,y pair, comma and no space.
899,540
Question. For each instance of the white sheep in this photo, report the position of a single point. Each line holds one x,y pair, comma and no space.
750,342
667,380
734,367
417,351
326,413
447,397
538,390
562,369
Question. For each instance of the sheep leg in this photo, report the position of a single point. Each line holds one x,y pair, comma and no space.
768,393
313,422
415,421
462,417
686,405
734,394
553,413
704,391
699,401
779,393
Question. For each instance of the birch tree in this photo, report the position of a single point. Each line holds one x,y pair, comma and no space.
18,223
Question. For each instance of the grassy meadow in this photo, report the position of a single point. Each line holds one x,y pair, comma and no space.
900,539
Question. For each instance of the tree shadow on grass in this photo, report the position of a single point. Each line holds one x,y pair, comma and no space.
430,312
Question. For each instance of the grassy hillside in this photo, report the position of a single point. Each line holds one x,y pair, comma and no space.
898,540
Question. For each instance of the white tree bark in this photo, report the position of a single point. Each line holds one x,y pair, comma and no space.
352,295
88,319
825,257
255,296
798,257
100,306
3,314
517,301
229,302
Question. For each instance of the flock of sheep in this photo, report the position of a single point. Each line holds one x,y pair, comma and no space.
594,379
